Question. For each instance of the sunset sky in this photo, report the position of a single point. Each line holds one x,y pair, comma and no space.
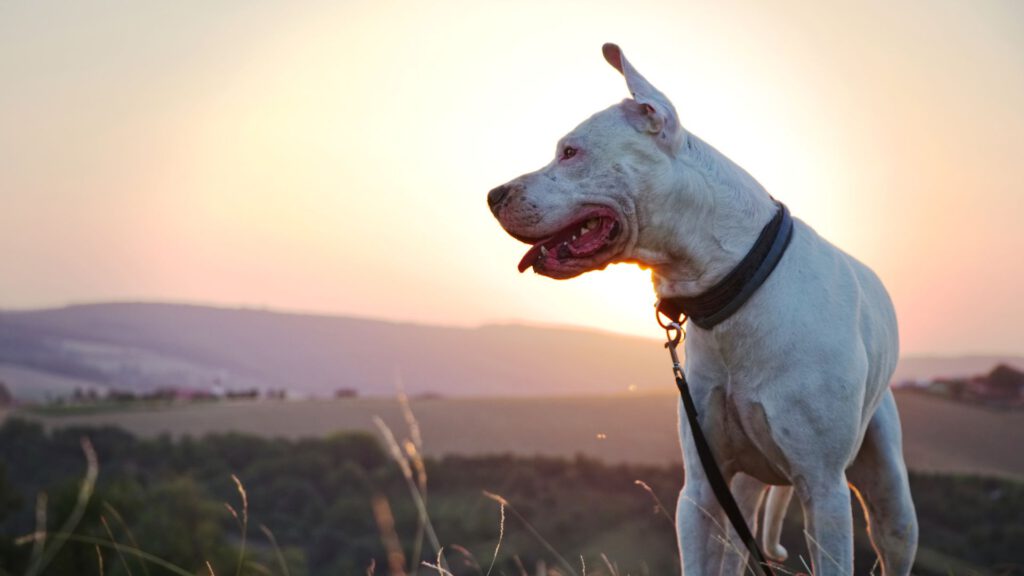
335,156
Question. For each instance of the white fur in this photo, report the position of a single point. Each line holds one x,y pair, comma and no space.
792,390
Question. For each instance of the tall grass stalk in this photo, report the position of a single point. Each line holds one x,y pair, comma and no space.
823,551
421,506
145,556
658,506
533,531
388,535
244,523
501,536
723,535
612,569
110,534
519,565
414,453
127,532
440,570
277,550
40,534
84,493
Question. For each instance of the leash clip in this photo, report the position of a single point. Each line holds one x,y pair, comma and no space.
674,334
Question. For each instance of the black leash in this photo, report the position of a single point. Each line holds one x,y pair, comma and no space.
759,566
707,310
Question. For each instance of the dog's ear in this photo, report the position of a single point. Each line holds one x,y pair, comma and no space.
654,111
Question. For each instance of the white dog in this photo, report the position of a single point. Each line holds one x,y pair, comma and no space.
792,389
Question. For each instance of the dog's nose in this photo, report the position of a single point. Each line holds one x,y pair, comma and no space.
494,197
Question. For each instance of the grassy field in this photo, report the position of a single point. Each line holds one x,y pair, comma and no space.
939,436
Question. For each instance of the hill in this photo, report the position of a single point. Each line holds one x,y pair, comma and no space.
144,346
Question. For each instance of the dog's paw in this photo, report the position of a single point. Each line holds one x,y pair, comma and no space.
777,552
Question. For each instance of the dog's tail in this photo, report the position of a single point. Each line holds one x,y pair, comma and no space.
774,514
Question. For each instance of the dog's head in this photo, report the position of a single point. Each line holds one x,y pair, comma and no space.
592,205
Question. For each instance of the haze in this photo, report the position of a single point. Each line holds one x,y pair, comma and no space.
335,156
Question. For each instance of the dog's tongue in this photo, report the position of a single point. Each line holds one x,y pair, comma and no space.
531,256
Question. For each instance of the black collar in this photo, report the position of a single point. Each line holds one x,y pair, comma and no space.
707,310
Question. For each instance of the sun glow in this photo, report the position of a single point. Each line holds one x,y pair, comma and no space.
336,157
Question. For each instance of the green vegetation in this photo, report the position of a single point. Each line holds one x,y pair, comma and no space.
326,500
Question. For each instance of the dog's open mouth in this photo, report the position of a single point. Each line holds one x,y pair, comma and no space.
571,250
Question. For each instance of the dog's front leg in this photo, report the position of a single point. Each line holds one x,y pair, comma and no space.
700,524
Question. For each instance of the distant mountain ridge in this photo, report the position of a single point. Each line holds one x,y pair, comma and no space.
142,346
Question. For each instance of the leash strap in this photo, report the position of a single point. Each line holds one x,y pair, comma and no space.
759,566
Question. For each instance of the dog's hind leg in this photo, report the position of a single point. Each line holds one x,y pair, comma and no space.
879,479
775,508
828,521
749,493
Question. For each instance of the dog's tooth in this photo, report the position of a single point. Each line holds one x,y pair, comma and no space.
543,251
584,230
573,237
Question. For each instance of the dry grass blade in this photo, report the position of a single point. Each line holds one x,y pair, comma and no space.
393,447
410,418
823,551
231,510
613,570
110,533
467,557
723,537
40,534
99,559
244,523
658,506
372,567
210,568
277,549
420,469
803,561
418,466
780,569
440,570
533,531
436,568
127,531
145,556
414,491
501,536
519,565
92,470
386,526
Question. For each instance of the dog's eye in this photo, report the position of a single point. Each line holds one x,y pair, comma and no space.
568,152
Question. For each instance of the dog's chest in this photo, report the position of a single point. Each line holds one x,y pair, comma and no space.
736,422
748,445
